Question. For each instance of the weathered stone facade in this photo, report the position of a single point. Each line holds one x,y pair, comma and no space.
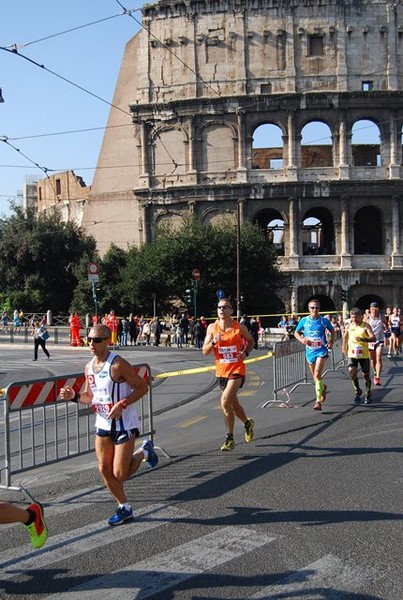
195,84
67,191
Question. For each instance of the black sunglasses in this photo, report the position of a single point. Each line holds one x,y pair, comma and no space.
314,307
223,306
96,340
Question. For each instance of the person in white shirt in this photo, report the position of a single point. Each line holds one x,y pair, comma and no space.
112,387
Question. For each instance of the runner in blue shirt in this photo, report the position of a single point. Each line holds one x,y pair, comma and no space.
312,331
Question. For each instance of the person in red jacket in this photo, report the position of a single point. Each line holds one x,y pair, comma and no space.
231,343
112,322
75,326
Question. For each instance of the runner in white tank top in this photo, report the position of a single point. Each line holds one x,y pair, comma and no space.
378,325
112,387
106,393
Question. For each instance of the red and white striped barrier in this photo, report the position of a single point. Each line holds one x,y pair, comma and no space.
38,393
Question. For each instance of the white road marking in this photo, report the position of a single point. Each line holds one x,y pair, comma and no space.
328,577
168,569
72,543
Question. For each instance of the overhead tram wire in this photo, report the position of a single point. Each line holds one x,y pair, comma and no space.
53,35
13,49
90,93
45,170
76,85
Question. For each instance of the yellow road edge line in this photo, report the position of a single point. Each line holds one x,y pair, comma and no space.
191,421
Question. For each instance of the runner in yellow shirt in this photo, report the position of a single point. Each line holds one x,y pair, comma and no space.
356,338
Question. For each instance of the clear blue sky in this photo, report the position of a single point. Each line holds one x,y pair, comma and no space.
37,103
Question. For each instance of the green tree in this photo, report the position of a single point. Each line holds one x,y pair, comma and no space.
165,267
38,255
83,300
111,272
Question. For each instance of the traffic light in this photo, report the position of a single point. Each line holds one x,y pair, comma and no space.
188,296
344,295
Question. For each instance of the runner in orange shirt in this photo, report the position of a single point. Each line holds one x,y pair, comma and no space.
231,343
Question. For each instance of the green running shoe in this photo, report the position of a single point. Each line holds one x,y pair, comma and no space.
37,530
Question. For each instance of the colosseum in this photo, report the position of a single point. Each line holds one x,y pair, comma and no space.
255,108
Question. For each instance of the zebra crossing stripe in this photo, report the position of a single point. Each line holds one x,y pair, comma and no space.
317,579
72,543
168,569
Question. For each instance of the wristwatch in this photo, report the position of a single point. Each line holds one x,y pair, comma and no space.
123,403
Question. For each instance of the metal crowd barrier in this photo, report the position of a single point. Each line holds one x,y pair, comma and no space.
23,335
336,356
290,367
40,428
272,335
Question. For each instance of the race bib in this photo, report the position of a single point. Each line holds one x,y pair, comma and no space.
371,345
315,342
357,351
102,403
227,354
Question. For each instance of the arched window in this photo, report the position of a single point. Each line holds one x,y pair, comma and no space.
318,232
316,145
267,149
365,144
273,225
368,231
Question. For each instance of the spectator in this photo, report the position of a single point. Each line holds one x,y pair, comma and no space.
75,326
254,331
147,332
17,322
125,331
4,320
245,321
112,322
40,335
184,325
133,330
157,330
199,334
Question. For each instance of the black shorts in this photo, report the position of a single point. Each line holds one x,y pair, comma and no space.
118,437
363,362
224,380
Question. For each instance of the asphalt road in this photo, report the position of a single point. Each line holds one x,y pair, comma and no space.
312,509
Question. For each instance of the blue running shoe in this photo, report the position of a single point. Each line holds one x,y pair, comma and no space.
121,515
152,455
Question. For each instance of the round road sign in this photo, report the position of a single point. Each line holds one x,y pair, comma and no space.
92,268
